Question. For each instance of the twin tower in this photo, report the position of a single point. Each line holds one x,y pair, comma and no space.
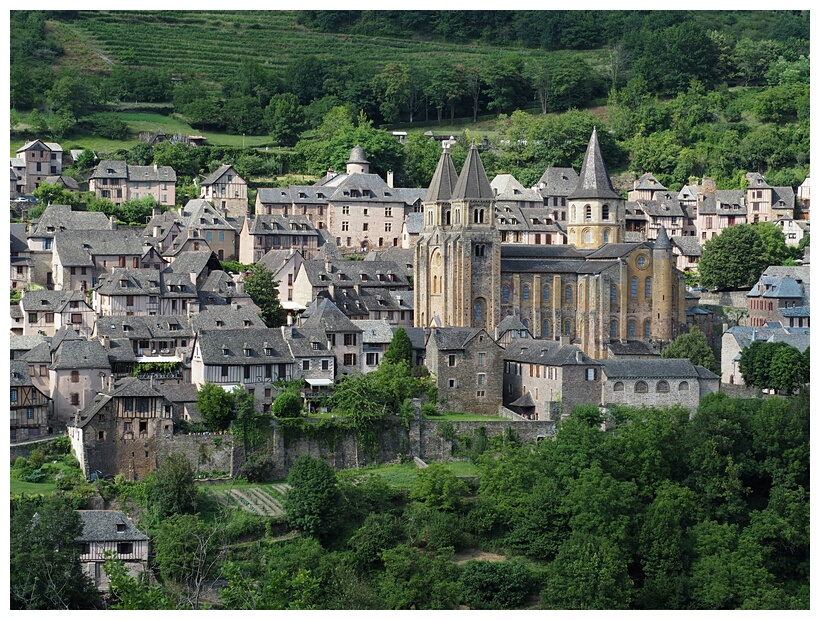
461,281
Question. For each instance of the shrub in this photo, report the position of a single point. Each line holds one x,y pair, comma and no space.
429,409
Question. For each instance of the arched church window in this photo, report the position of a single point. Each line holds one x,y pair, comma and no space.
606,235
605,212
525,293
546,293
647,329
631,329
588,213
545,329
587,236
479,311
641,387
633,287
647,288
613,294
567,327
447,217
613,330
568,294
505,294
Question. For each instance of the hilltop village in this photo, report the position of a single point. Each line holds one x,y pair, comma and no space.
520,302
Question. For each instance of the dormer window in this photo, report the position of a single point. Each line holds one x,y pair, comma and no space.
268,351
225,350
314,346
246,350
220,323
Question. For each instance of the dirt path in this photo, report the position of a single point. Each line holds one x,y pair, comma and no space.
477,554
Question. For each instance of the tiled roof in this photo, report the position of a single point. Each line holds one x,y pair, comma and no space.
228,346
375,332
77,354
61,217
324,314
558,181
649,369
219,173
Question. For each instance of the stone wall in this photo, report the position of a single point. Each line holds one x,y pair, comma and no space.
735,299
206,453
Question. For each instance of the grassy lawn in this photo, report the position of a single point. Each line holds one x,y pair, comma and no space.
34,488
403,476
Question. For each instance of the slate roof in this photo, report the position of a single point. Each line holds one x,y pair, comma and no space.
688,245
51,146
281,225
346,273
548,352
66,181
414,222
472,183
454,338
199,213
649,369
525,400
594,181
649,182
294,194
61,217
227,346
301,341
211,318
24,343
507,187
418,337
659,207
137,282
131,387
218,174
145,327
274,260
39,354
75,248
116,169
375,332
613,250
18,237
558,181
41,300
662,241
723,202
80,354
101,526
324,314
18,374
540,252
509,323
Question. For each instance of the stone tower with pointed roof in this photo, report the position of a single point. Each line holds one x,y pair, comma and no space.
665,287
458,254
596,210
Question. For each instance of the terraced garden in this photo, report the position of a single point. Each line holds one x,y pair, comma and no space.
213,43
263,500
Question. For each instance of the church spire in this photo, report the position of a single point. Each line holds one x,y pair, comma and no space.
473,183
594,181
444,179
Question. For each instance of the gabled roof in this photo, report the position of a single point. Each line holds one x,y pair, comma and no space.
228,346
199,213
662,241
324,314
455,338
594,181
375,332
102,526
211,318
80,354
306,342
131,387
558,181
18,237
688,245
61,217
40,145
472,183
18,374
219,173
116,169
144,327
648,181
280,225
507,187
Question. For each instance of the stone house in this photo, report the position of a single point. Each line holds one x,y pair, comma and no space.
284,265
146,339
719,209
793,230
687,251
41,159
466,363
532,225
647,187
317,276
544,380
314,362
376,338
411,228
110,531
736,339
79,370
119,429
308,201
555,185
656,383
767,203
226,190
263,233
129,292
80,256
510,193
45,312
782,295
118,182
29,408
344,337
21,268
201,220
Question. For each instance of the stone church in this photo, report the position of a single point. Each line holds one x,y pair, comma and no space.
597,292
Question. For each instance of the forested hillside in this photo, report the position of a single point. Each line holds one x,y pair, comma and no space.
678,93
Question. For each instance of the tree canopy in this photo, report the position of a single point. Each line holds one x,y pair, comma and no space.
694,347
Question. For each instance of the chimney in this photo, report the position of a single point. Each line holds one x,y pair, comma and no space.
331,290
155,168
113,222
193,277
389,178
328,265
155,211
579,357
290,319
111,383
